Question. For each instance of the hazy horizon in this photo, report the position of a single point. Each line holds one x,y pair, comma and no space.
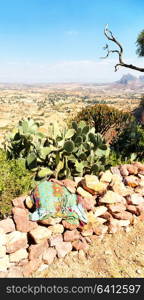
68,82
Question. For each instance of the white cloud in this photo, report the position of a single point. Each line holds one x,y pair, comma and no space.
65,71
71,32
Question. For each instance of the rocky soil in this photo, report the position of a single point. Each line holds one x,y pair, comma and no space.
116,255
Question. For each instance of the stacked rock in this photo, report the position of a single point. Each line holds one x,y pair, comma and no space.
113,200
116,198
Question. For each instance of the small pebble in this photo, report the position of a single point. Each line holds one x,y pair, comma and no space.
138,271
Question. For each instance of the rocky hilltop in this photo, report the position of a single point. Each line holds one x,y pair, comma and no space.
130,79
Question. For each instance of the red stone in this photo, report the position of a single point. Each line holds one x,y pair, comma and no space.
23,262
141,172
70,185
69,225
106,216
133,209
132,181
125,215
7,225
54,240
140,208
19,202
36,250
140,190
20,212
82,183
115,225
63,248
15,241
115,170
88,239
100,229
49,256
88,204
135,199
56,181
71,235
132,169
21,219
31,267
80,245
140,167
116,207
123,170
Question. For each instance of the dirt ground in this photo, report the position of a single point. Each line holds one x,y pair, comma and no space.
116,255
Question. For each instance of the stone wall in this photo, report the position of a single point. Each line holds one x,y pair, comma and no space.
113,200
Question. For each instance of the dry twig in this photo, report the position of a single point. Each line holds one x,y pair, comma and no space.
109,35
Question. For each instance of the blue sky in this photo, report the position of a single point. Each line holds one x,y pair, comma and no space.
62,40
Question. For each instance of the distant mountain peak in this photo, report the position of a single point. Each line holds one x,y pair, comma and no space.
141,78
125,79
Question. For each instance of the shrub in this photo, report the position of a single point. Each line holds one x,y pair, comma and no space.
142,101
131,142
139,111
14,181
107,120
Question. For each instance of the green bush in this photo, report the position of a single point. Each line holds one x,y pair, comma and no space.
130,143
142,101
15,180
105,119
138,112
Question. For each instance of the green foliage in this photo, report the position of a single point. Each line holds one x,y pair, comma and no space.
63,153
142,101
22,139
140,44
14,181
130,143
138,112
104,118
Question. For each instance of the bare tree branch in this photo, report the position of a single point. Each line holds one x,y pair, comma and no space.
109,35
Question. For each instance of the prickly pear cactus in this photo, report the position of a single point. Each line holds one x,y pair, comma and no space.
62,153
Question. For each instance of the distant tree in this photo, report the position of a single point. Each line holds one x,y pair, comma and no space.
140,44
140,49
